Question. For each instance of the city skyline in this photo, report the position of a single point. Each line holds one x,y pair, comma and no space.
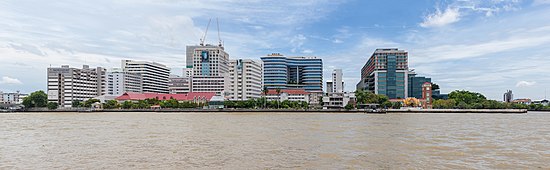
487,47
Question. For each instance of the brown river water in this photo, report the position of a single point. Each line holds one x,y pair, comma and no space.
274,141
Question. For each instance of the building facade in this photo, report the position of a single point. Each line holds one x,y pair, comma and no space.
11,98
415,84
508,96
210,69
386,72
154,76
281,72
288,94
179,85
120,82
245,79
66,84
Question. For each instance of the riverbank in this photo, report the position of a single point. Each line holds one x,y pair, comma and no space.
501,111
336,111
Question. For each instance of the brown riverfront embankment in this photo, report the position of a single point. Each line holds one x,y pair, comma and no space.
501,111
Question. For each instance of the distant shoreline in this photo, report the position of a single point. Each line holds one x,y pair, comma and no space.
334,111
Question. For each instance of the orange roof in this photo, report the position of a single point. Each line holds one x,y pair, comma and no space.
187,96
288,91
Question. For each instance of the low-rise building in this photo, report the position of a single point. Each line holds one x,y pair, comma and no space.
288,94
338,100
11,98
195,97
179,85
522,101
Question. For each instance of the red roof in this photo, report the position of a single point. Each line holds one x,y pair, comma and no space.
288,91
180,97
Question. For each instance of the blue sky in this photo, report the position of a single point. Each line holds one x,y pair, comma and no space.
487,46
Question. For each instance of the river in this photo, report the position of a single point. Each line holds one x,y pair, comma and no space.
274,141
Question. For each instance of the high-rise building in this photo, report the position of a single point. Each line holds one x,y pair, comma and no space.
245,79
281,72
386,73
210,69
335,96
66,84
120,82
179,85
415,84
508,96
154,76
337,82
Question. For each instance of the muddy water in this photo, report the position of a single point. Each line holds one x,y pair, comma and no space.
274,141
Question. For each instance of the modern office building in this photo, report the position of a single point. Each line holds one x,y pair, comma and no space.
66,84
179,85
245,79
386,73
508,96
120,82
281,72
154,76
415,84
210,69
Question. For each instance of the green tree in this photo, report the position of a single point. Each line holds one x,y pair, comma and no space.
76,103
278,90
127,104
349,106
111,104
52,105
397,105
89,102
36,99
435,86
467,97
444,104
387,104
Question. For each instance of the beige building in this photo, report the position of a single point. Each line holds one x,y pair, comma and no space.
245,79
210,69
66,84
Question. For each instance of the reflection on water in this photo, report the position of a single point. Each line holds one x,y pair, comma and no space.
274,141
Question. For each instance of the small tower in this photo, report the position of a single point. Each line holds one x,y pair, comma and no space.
427,95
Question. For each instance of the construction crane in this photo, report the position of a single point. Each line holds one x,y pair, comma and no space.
206,32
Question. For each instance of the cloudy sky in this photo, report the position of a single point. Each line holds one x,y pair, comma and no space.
487,46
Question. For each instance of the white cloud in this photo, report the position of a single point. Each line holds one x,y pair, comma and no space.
297,42
541,2
307,51
439,19
9,80
525,83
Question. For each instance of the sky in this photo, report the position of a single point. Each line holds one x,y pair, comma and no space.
486,46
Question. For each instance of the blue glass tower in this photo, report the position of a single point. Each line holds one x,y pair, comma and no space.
281,72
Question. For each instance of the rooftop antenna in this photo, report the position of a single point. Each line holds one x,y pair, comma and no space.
219,39
205,32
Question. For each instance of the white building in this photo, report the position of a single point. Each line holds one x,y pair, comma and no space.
66,84
245,79
120,82
154,76
338,100
288,94
336,97
210,69
11,98
179,85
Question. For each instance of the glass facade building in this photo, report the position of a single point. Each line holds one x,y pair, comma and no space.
386,73
415,85
281,72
